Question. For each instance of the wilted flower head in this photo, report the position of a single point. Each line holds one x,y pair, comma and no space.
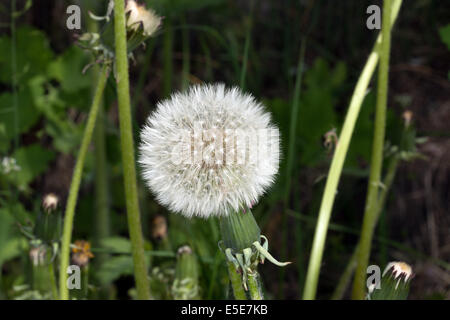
138,15
81,253
159,227
209,151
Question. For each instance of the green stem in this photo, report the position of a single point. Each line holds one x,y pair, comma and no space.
370,213
290,159
248,36
54,287
127,146
337,163
254,286
101,222
75,184
168,56
236,282
186,56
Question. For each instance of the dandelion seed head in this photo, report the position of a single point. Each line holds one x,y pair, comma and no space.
187,151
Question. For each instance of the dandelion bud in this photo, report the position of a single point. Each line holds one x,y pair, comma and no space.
139,16
50,202
185,285
407,117
394,284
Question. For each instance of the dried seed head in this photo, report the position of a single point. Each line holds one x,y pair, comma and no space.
209,151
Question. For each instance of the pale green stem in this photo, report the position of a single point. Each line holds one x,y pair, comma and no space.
75,184
337,163
127,146
254,286
346,276
236,282
376,163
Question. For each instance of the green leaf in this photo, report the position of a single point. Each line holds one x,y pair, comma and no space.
117,244
444,33
114,268
10,243
33,160
33,54
67,69
27,115
318,101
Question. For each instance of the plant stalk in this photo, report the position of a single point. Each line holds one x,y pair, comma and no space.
254,286
236,282
346,276
337,163
127,146
75,184
370,214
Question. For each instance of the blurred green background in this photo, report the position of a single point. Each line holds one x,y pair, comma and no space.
257,45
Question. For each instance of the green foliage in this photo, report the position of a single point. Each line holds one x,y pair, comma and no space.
33,160
29,42
11,245
444,33
67,70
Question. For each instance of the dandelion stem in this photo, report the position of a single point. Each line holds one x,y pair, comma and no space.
127,146
75,184
53,285
346,276
337,163
236,282
370,214
254,286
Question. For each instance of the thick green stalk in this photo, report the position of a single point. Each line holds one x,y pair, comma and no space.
346,276
53,285
75,184
127,146
254,286
337,163
236,282
370,214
